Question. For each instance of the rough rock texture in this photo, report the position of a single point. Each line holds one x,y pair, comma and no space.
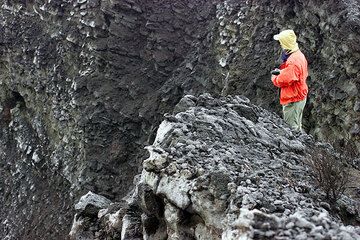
226,169
328,34
84,85
241,52
80,99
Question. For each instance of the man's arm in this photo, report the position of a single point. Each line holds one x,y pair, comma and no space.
287,76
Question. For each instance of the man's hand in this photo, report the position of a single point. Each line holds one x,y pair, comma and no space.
276,71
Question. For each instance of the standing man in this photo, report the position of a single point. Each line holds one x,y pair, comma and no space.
291,79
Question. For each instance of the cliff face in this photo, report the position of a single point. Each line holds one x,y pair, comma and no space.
80,98
84,85
328,33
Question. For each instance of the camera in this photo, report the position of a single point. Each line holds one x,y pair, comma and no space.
276,71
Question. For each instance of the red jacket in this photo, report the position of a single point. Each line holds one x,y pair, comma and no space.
292,79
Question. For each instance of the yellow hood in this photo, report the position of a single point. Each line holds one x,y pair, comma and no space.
287,39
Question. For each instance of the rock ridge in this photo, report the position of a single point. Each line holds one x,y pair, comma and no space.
222,168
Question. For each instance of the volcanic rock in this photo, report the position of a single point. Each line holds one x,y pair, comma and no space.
227,169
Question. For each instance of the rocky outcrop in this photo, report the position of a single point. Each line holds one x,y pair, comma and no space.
226,169
85,83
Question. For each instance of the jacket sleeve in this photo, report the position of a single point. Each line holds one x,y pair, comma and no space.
287,76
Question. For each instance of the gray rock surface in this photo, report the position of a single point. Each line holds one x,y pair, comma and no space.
84,85
80,99
327,34
240,172
91,203
226,169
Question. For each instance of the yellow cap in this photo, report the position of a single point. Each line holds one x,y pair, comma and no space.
287,39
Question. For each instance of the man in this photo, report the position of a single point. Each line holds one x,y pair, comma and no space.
291,79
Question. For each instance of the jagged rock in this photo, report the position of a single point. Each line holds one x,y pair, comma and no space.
86,77
244,44
91,203
132,227
220,173
85,84
250,179
98,218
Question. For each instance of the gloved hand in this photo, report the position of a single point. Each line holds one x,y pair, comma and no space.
276,71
